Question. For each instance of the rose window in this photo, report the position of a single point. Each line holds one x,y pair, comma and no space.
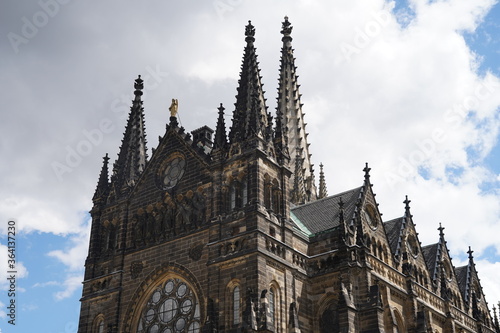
173,307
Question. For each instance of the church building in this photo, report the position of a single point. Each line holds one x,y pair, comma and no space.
228,230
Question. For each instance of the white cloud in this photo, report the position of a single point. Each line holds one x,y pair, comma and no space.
72,257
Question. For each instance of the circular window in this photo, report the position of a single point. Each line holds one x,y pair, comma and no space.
412,245
173,172
371,216
173,307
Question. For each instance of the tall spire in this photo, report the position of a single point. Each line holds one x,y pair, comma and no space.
102,189
289,111
220,139
250,118
133,152
322,183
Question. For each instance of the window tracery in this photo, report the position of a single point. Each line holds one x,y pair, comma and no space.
173,307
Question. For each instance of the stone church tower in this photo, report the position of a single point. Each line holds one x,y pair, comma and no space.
225,231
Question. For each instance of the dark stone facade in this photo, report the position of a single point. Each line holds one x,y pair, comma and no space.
229,234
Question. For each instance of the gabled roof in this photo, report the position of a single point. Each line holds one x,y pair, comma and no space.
431,258
323,215
461,273
393,232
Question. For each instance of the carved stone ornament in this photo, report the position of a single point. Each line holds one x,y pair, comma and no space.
195,252
136,268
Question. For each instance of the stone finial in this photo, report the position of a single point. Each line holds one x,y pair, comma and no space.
286,28
138,86
250,32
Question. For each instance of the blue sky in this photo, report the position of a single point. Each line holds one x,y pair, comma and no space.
387,75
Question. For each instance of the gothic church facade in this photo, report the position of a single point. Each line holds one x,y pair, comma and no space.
226,231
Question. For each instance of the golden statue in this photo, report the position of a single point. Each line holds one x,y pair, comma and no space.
173,107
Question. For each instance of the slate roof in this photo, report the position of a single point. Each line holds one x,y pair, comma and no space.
461,273
430,253
323,215
393,232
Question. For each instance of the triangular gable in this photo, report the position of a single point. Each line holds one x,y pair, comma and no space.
175,145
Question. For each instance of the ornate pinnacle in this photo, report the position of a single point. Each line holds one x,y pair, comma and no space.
367,173
341,210
138,85
103,182
286,30
250,33
407,206
220,140
322,183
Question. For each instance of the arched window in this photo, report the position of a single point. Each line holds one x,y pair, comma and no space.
399,324
236,306
272,307
232,194
98,326
172,307
329,320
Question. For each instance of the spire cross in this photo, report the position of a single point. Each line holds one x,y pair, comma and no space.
441,233
367,171
470,253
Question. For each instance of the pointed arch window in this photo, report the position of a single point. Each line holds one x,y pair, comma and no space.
272,307
236,306
329,320
232,195
98,326
238,194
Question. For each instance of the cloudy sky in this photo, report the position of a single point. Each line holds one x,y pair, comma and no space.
411,87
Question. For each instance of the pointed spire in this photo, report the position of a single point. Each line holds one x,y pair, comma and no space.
322,183
298,195
220,140
250,115
133,152
102,189
290,125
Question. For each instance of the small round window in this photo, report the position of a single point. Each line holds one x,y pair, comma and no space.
173,307
371,216
413,245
